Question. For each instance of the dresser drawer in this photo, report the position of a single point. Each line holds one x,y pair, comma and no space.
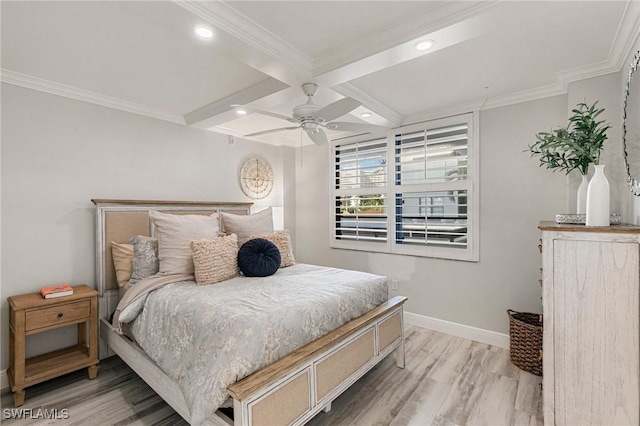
58,315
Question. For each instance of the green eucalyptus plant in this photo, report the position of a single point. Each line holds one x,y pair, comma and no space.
574,146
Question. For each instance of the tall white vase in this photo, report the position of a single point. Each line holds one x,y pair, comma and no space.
582,195
598,199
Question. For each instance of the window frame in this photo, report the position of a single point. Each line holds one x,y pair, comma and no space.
471,185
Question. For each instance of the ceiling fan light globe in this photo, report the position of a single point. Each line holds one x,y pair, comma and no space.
310,126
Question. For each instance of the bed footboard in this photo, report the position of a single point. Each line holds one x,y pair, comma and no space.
295,388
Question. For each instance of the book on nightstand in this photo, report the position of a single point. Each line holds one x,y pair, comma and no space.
57,290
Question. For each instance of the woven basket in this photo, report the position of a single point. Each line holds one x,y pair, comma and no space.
525,334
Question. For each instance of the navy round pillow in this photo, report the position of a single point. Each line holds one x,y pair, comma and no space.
258,258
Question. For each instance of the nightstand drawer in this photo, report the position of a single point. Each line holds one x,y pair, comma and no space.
55,315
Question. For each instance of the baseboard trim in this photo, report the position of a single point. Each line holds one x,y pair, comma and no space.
459,330
4,381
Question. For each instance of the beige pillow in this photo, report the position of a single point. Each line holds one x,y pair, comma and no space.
215,260
174,232
282,240
244,226
122,261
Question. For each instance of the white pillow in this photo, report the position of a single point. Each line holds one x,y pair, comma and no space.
174,232
245,226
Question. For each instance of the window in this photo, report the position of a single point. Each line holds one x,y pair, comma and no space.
410,193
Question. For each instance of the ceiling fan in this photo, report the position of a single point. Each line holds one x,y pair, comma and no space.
311,117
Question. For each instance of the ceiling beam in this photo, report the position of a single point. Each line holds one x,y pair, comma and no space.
206,115
264,51
254,46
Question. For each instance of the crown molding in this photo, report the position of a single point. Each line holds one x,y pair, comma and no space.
559,88
419,25
47,86
348,89
612,65
488,103
438,113
223,16
585,72
628,33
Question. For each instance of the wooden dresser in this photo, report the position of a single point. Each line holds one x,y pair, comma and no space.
591,280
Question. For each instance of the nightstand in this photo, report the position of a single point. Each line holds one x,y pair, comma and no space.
31,314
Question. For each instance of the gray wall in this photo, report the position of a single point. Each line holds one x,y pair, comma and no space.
607,90
58,154
515,194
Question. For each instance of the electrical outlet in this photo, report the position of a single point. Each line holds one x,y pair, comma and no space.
394,284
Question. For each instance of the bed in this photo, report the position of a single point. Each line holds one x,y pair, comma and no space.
288,384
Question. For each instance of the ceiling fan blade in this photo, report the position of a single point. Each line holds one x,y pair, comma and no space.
264,132
355,127
319,137
337,109
269,113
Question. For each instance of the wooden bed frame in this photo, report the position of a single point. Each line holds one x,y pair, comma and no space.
290,391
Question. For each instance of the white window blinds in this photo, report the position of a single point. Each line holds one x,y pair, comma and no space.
413,192
437,218
360,191
432,156
431,183
361,164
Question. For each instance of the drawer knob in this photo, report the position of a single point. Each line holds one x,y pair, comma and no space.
60,314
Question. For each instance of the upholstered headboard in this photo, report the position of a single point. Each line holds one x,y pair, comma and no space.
119,220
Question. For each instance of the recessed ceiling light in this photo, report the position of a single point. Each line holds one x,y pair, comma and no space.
241,111
423,44
365,115
203,32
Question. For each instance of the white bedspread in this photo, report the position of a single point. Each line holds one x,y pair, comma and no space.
208,337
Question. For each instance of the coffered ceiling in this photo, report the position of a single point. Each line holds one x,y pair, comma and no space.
143,56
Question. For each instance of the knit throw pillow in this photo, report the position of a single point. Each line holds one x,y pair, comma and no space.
215,260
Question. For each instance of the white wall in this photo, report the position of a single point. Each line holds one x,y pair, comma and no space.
58,154
515,194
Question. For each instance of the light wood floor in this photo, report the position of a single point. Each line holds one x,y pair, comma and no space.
447,381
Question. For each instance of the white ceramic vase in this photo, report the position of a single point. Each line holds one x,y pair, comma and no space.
598,199
582,195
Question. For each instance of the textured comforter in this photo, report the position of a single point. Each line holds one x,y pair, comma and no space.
208,337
